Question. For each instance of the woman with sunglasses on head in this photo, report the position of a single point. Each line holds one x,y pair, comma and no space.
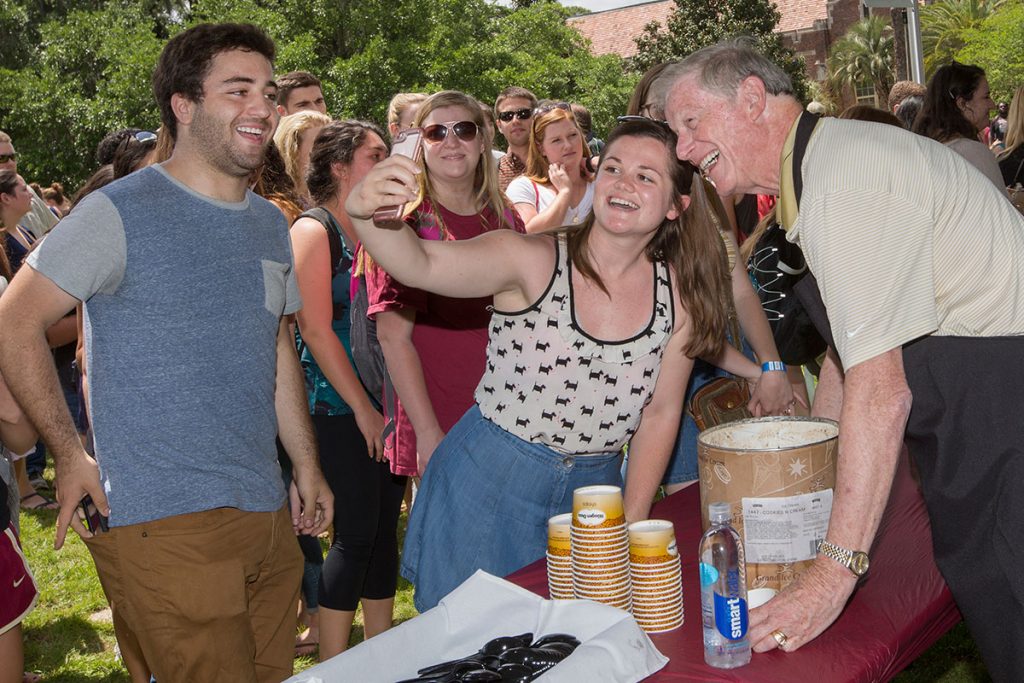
434,346
777,391
556,189
558,402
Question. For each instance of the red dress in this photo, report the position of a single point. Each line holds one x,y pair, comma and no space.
450,335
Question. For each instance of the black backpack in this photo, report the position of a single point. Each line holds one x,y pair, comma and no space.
366,351
776,266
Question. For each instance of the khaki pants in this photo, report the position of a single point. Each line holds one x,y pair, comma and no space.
206,596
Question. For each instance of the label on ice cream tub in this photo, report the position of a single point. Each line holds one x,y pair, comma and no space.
787,529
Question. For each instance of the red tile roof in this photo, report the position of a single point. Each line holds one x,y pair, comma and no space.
614,31
800,14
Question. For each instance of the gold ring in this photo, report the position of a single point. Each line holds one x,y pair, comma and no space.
780,638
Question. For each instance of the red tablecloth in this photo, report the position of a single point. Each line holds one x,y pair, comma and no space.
899,610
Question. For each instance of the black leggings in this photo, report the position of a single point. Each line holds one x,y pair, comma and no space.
363,559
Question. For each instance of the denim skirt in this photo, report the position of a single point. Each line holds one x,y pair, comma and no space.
484,503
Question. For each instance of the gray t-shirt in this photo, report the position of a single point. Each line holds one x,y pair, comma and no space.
183,297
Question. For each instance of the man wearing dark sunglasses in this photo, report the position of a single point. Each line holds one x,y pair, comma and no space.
513,113
39,219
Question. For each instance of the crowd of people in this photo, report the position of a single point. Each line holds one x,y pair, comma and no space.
226,343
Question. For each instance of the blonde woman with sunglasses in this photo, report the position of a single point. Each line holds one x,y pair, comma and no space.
435,346
556,189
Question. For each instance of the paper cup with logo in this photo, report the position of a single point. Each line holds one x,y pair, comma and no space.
559,542
652,541
595,507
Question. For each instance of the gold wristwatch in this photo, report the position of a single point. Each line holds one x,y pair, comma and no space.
854,560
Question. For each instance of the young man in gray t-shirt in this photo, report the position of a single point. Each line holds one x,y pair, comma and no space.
186,278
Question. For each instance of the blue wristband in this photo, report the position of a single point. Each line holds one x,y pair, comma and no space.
773,366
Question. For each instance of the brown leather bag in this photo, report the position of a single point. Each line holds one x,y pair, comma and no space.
720,400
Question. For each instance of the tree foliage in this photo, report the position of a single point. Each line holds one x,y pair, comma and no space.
698,23
945,26
997,46
74,70
865,56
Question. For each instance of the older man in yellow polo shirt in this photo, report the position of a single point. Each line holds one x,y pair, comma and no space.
918,261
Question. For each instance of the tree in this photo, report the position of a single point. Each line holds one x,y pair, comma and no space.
997,46
865,56
88,71
698,23
945,25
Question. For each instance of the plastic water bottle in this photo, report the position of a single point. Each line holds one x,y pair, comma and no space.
723,592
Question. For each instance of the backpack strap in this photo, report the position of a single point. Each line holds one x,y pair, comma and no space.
804,128
807,289
340,261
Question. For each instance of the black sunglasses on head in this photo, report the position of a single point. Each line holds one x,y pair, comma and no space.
521,114
145,136
464,130
634,119
544,109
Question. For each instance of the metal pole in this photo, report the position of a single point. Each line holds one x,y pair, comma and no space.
914,55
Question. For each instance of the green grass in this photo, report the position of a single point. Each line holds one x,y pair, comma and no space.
69,637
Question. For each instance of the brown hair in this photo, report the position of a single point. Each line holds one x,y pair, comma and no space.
186,59
691,244
901,90
864,112
514,92
292,80
940,118
640,102
336,143
536,164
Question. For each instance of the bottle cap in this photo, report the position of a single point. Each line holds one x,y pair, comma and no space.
720,512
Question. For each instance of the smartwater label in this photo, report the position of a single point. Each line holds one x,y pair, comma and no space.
784,530
731,616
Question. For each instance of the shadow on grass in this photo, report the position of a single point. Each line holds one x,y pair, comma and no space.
954,658
50,648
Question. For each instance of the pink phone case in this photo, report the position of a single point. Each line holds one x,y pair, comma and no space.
409,142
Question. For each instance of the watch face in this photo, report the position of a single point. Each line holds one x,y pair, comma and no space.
859,563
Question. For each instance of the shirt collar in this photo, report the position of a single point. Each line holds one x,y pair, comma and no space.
787,213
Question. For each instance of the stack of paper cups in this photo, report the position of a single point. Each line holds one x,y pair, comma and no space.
656,576
600,546
559,557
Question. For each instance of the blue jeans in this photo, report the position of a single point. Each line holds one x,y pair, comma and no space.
484,503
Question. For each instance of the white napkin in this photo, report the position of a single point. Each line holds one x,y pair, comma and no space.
613,648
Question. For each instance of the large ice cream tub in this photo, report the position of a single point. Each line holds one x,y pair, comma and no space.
778,474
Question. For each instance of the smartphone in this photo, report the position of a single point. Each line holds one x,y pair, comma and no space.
409,143
94,521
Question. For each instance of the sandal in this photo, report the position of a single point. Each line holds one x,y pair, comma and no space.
43,504
306,649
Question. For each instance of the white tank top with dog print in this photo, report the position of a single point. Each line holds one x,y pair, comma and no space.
549,382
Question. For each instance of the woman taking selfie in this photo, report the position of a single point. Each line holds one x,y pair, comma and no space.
558,402
556,189
435,345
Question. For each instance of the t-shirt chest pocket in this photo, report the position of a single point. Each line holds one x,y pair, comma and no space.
275,276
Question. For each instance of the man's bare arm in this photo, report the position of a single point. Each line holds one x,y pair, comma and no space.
312,503
876,403
28,308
